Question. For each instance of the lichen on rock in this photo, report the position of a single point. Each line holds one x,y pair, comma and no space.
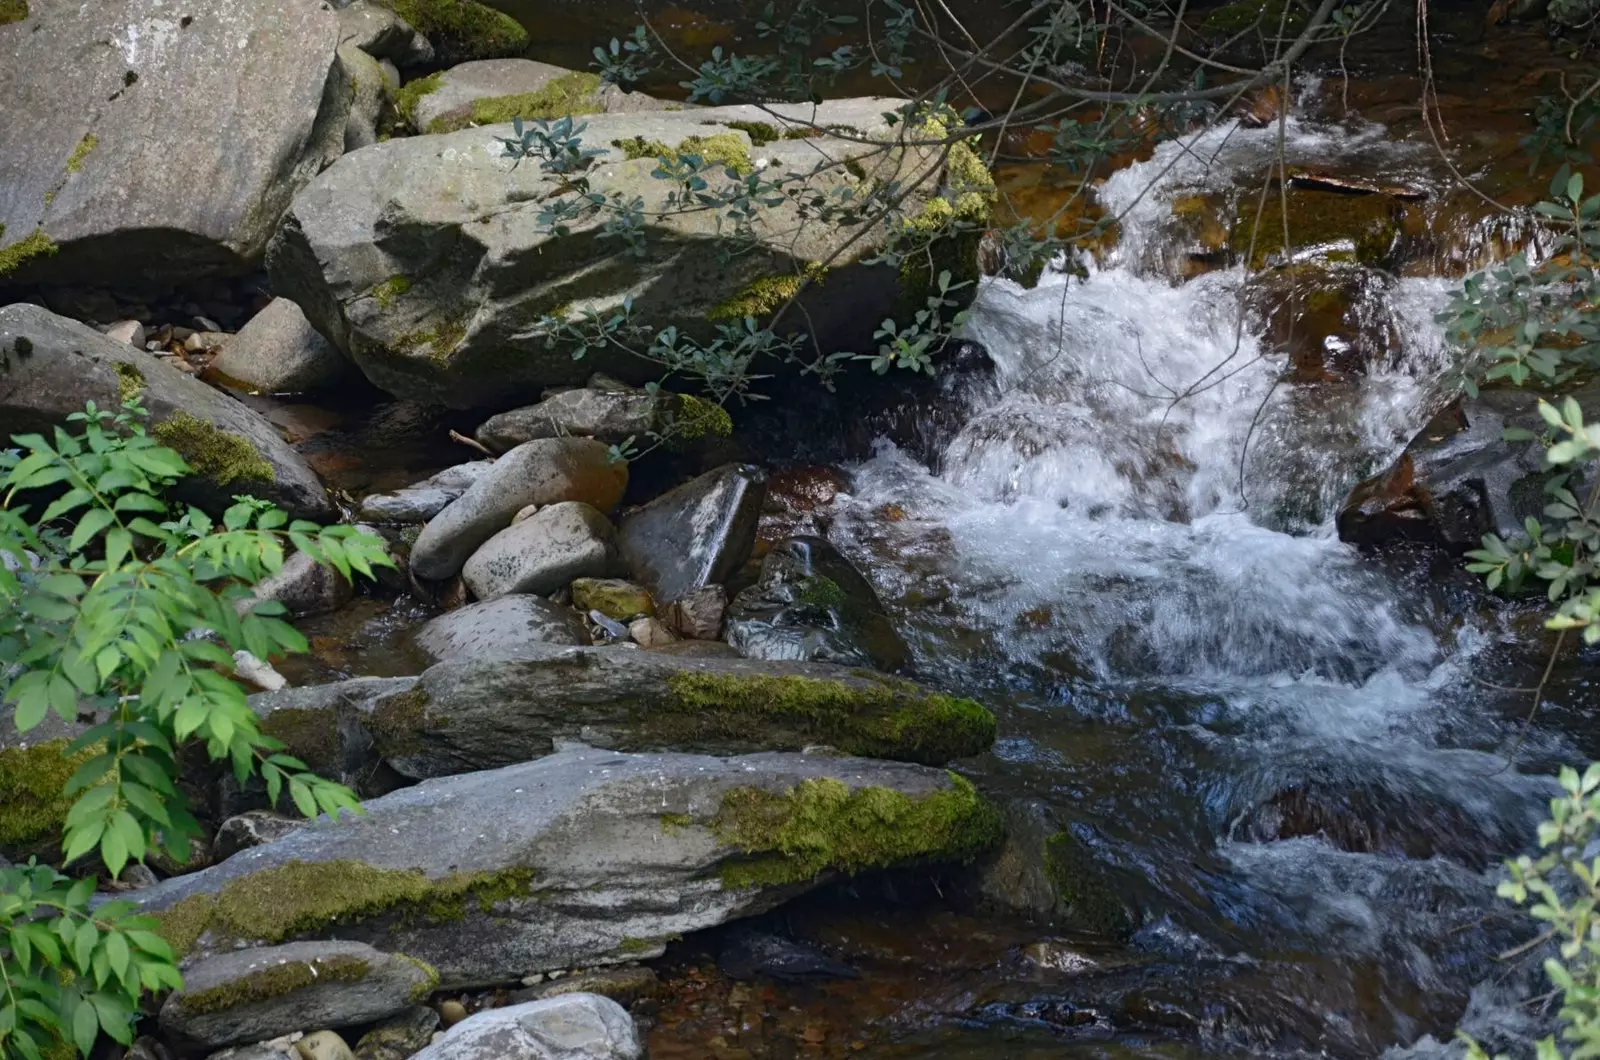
32,806
130,381
13,11
728,149
573,93
33,245
822,824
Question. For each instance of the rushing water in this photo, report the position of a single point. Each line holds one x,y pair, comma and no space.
1130,546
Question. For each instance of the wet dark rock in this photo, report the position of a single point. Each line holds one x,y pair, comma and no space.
1459,479
794,497
501,628
280,352
253,995
760,955
251,829
422,501
695,535
543,553
543,471
622,985
51,366
1044,873
570,1027
812,604
480,714
581,858
399,1036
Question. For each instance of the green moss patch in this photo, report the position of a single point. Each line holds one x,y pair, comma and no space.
33,245
80,153
271,982
694,418
944,237
309,735
405,100
1352,228
761,134
765,295
881,717
13,11
728,149
1081,886
574,93
822,825
212,452
461,30
32,806
391,289
299,899
396,723
130,381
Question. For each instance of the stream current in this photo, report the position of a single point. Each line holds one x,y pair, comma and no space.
1274,745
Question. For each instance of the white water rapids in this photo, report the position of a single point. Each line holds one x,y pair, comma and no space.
1158,586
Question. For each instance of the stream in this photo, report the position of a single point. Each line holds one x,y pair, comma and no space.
1274,746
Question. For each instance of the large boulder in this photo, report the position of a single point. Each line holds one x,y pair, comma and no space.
484,713
493,91
543,471
256,994
695,535
449,312
280,352
811,604
1460,478
581,858
543,553
51,366
569,1027
137,134
509,627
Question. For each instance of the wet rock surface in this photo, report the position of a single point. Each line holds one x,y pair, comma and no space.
506,628
812,604
669,846
695,535
1460,478
480,714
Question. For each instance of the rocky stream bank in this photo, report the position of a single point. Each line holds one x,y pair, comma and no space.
1000,714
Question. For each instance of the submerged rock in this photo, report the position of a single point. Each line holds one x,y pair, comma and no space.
253,995
97,99
51,366
542,553
421,501
1460,479
479,714
582,858
280,352
811,604
695,535
399,1037
570,1027
543,471
1044,873
505,628
758,954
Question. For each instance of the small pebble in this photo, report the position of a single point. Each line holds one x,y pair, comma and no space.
129,331
533,980
206,324
524,514
323,1045
452,1012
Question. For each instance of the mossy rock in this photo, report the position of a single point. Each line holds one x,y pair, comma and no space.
216,454
33,245
463,30
824,825
1089,902
33,805
1363,229
574,93
13,11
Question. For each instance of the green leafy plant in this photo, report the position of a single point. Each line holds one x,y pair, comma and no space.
116,602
